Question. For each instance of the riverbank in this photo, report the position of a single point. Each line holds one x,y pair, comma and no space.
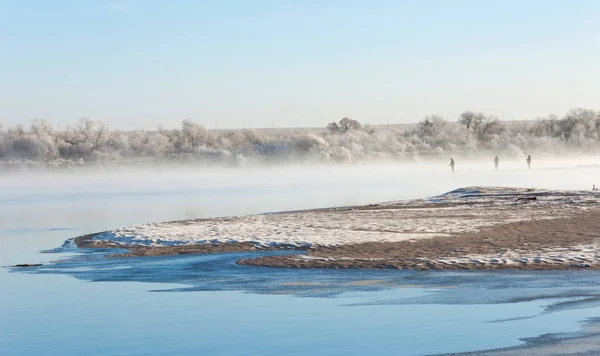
470,228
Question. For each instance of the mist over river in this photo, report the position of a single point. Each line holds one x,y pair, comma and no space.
80,302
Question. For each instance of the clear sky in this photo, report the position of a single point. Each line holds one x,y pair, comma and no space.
230,63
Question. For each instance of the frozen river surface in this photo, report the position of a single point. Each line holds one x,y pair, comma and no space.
208,305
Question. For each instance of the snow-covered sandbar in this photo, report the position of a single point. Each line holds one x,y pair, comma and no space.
468,228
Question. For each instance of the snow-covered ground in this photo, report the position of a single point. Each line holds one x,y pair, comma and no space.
462,210
582,255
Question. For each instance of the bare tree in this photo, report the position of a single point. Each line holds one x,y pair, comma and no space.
86,125
487,126
586,121
99,135
552,124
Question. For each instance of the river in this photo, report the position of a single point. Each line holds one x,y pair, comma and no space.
80,302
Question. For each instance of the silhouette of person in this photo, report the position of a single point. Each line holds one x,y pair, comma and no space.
528,161
452,164
496,160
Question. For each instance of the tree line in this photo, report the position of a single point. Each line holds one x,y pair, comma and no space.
346,140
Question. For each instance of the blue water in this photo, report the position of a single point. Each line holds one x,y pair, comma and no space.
80,302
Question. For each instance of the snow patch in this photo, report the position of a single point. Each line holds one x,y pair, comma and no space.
462,210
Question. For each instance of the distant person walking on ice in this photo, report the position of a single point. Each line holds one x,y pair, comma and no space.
496,160
529,161
452,164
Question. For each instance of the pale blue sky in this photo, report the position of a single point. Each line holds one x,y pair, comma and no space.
141,63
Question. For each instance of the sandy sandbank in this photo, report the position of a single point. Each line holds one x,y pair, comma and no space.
470,228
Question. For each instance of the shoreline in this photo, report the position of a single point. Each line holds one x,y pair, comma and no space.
475,228
86,241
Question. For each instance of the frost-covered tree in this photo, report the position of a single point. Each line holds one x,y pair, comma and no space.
489,125
347,124
344,125
83,139
194,134
189,138
466,119
333,127
430,126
